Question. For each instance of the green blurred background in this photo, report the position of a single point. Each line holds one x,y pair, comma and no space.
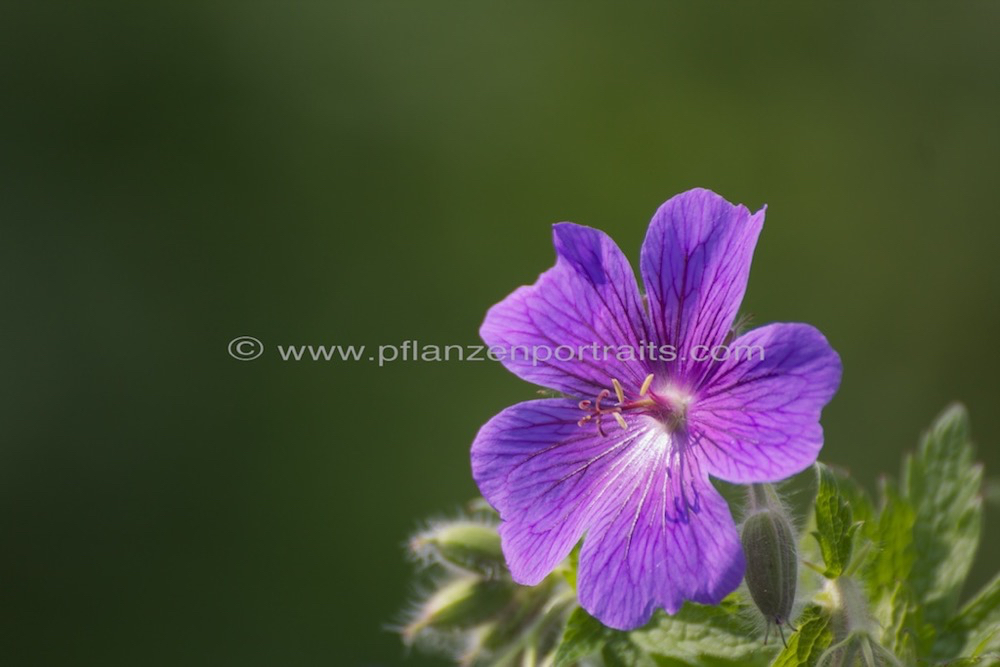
175,175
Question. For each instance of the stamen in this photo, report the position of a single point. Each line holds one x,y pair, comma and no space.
645,385
600,397
618,390
595,412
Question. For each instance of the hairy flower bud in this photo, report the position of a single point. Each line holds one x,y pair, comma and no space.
771,558
470,608
460,603
464,543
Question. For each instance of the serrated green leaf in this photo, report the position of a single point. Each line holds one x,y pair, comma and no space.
584,636
703,635
806,645
902,629
886,573
835,525
861,504
893,552
976,629
942,483
696,636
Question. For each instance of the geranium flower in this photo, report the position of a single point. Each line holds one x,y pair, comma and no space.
625,460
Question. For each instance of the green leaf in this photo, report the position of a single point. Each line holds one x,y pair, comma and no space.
861,504
893,553
943,484
696,636
806,645
887,571
703,635
976,628
584,636
621,652
902,628
835,525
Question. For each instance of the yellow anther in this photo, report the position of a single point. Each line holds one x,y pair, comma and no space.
618,390
621,421
645,384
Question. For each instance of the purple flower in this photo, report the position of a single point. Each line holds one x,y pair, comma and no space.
627,459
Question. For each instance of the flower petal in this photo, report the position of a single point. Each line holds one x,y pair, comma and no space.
547,476
588,298
757,419
670,538
695,263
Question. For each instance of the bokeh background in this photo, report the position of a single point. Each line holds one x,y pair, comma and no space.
178,174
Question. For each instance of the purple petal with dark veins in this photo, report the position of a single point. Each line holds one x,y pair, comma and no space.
549,477
668,538
658,533
589,297
695,263
757,420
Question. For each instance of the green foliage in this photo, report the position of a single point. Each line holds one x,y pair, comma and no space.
584,636
976,628
697,636
887,571
704,635
886,592
942,484
892,534
835,525
813,637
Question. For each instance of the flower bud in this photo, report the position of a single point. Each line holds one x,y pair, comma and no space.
471,610
771,560
858,649
464,543
461,603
